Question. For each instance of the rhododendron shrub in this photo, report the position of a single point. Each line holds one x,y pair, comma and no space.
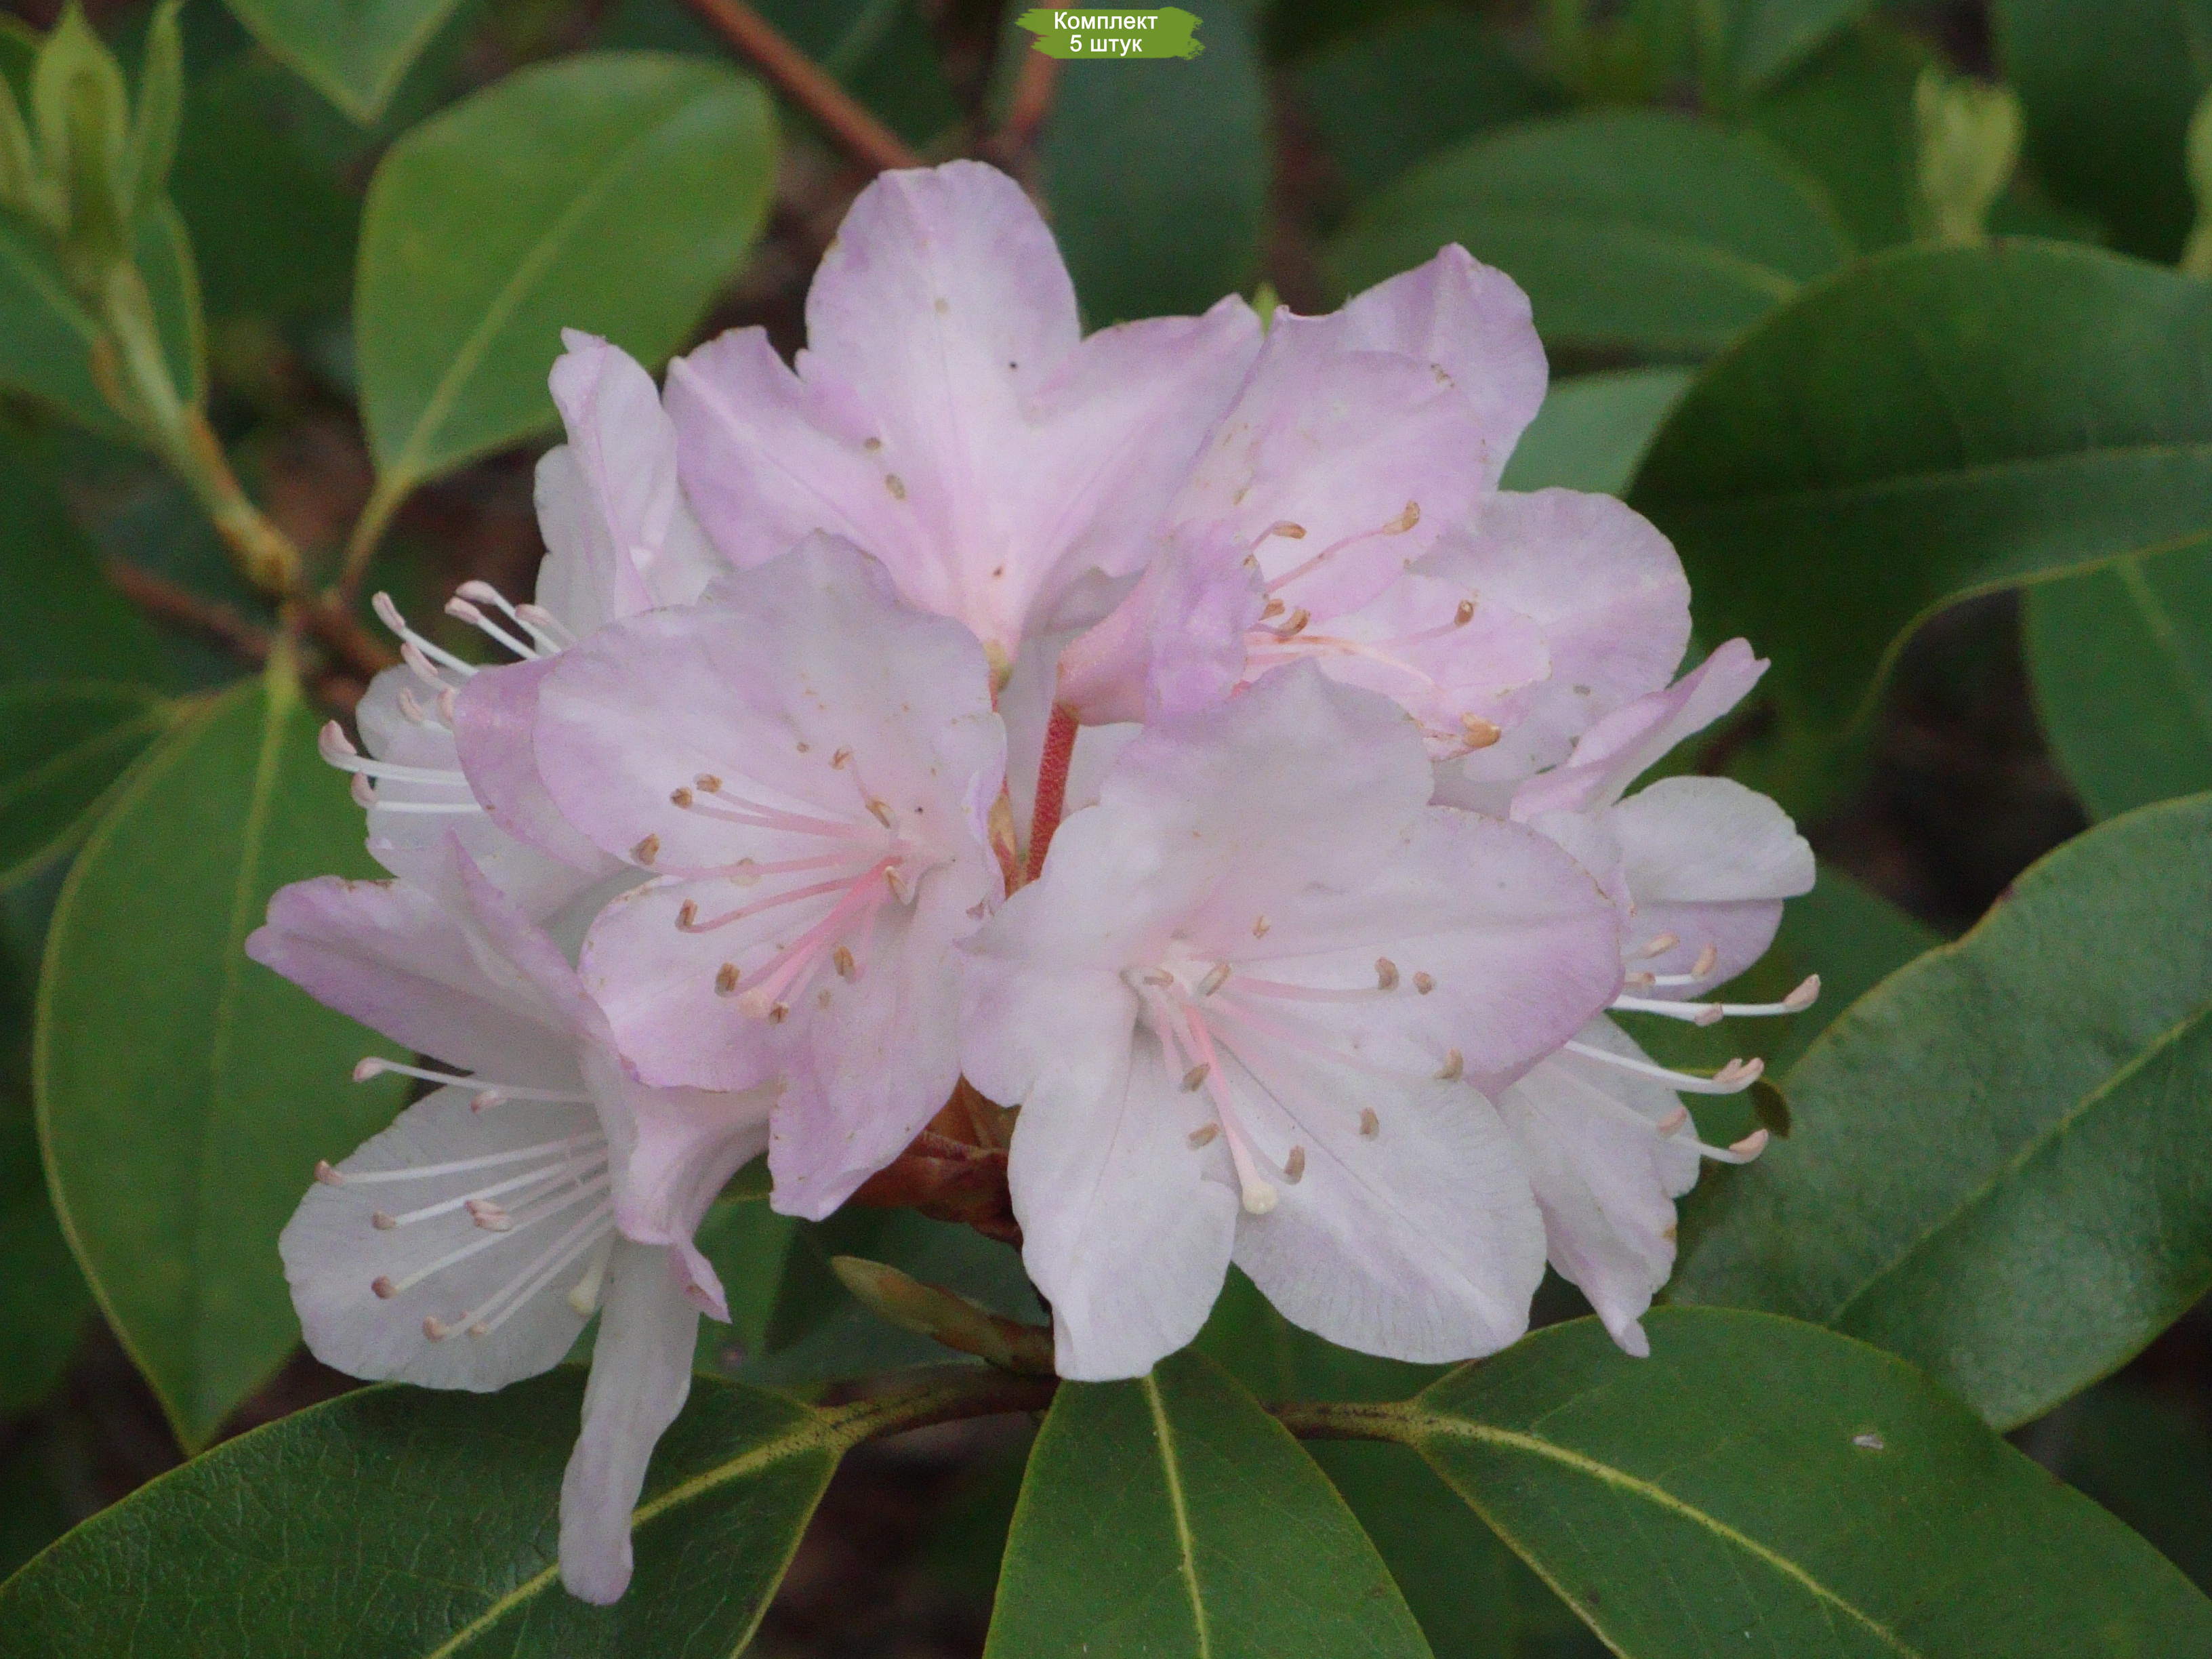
1221,877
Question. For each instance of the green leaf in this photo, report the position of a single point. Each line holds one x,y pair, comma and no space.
46,333
1846,117
2001,1167
2122,661
1472,1595
354,52
1593,430
43,1298
1383,99
65,622
1764,1487
273,227
1154,175
611,192
184,1093
1475,1598
400,1523
1629,229
63,746
1932,424
1762,40
2107,86
1170,1516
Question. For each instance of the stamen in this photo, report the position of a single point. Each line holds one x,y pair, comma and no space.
388,614
1424,983
1386,974
1731,1078
336,749
543,626
1453,1068
545,1150
687,913
1294,1166
1658,945
563,1201
1695,1013
1276,988
461,610
1477,732
1216,977
1203,1136
1397,527
1370,1125
328,1173
1196,1078
1260,924
646,850
376,1065
1707,960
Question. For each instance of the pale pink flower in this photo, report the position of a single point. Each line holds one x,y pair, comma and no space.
805,764
949,415
1699,868
448,742
1247,1011
468,1245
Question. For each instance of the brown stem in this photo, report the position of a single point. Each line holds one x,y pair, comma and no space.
1035,80
807,84
950,1395
335,628
175,603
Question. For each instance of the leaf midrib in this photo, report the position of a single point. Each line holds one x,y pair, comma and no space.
810,1434
1424,1423
1179,1510
405,465
2178,1032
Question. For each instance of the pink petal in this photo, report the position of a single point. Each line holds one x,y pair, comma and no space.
494,720
1177,643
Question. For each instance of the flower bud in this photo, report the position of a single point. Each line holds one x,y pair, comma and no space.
946,1316
1969,141
83,118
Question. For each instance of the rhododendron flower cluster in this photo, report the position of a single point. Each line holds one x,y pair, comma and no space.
1173,731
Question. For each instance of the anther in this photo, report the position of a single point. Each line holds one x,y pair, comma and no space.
327,1173
1659,945
646,850
841,960
1386,974
1464,615
365,1068
1294,1166
1640,979
686,914
1260,927
1294,624
484,1099
896,485
436,1328
725,979
1477,732
1707,959
778,1012
709,783
1453,1068
362,791
1751,1145
1157,976
491,1216
382,1221
384,1288
680,798
1204,1136
333,740
838,761
1370,1125
1804,996
1216,977
1424,983
1272,608
1194,1078
1287,530
1674,1120
881,811
1404,521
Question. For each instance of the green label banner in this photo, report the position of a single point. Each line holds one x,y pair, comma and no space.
1165,34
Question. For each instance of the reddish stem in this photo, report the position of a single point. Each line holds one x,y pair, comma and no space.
1052,786
803,81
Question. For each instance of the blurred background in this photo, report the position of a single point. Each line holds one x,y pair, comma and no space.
1656,181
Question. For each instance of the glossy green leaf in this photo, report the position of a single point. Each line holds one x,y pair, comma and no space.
63,745
354,52
1634,228
46,332
2002,1166
2122,660
611,192
1154,175
1383,99
1760,40
1170,1516
401,1523
1762,1486
185,1093
2107,86
1593,430
1847,118
1473,1597
1934,423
